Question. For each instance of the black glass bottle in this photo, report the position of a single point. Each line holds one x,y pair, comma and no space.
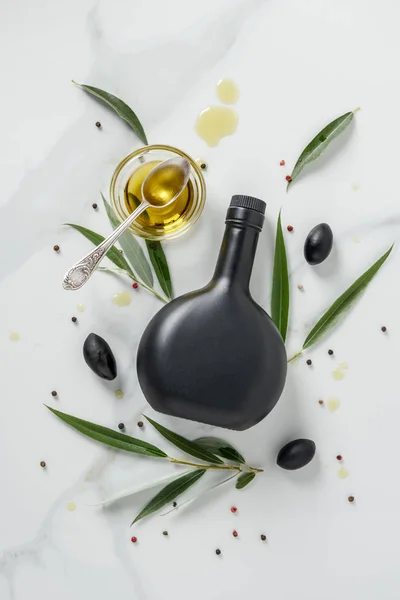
214,355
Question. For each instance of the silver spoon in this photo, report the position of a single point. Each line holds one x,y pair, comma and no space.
161,187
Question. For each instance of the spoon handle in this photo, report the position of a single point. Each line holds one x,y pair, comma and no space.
80,273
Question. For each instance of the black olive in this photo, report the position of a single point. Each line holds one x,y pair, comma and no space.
296,454
99,357
318,244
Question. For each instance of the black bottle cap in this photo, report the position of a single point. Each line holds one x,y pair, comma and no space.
249,202
246,211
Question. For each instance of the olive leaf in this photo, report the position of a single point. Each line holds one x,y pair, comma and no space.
182,443
244,480
280,284
321,141
220,448
109,437
136,490
170,492
160,266
113,254
132,249
342,305
122,109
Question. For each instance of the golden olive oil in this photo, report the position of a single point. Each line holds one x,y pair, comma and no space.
164,219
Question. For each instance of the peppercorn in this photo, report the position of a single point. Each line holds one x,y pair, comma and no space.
309,361
42,464
135,285
233,509
174,504
320,401
235,533
140,424
330,352
282,163
54,393
351,498
134,539
121,426
74,319
288,178
218,552
383,329
56,248
339,457
300,286
98,124
263,537
165,532
94,205
152,245
290,227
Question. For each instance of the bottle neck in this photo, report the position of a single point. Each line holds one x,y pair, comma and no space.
236,256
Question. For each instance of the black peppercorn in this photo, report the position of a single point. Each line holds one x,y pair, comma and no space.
42,464
140,424
263,537
165,532
94,205
174,504
98,124
121,426
351,498
309,362
56,248
74,319
330,352
218,552
383,329
54,393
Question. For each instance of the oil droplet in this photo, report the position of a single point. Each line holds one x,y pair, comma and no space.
343,473
80,307
216,122
14,336
338,373
333,404
119,394
356,239
122,299
355,187
227,91
71,506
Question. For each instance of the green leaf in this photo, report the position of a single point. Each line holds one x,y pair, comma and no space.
122,109
113,254
280,284
343,304
220,448
132,249
170,492
186,445
321,141
109,437
244,480
160,266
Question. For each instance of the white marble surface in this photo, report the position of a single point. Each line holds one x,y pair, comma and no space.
298,64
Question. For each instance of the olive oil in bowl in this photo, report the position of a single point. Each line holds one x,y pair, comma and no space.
170,218
159,223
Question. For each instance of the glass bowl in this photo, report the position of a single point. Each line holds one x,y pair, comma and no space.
156,223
